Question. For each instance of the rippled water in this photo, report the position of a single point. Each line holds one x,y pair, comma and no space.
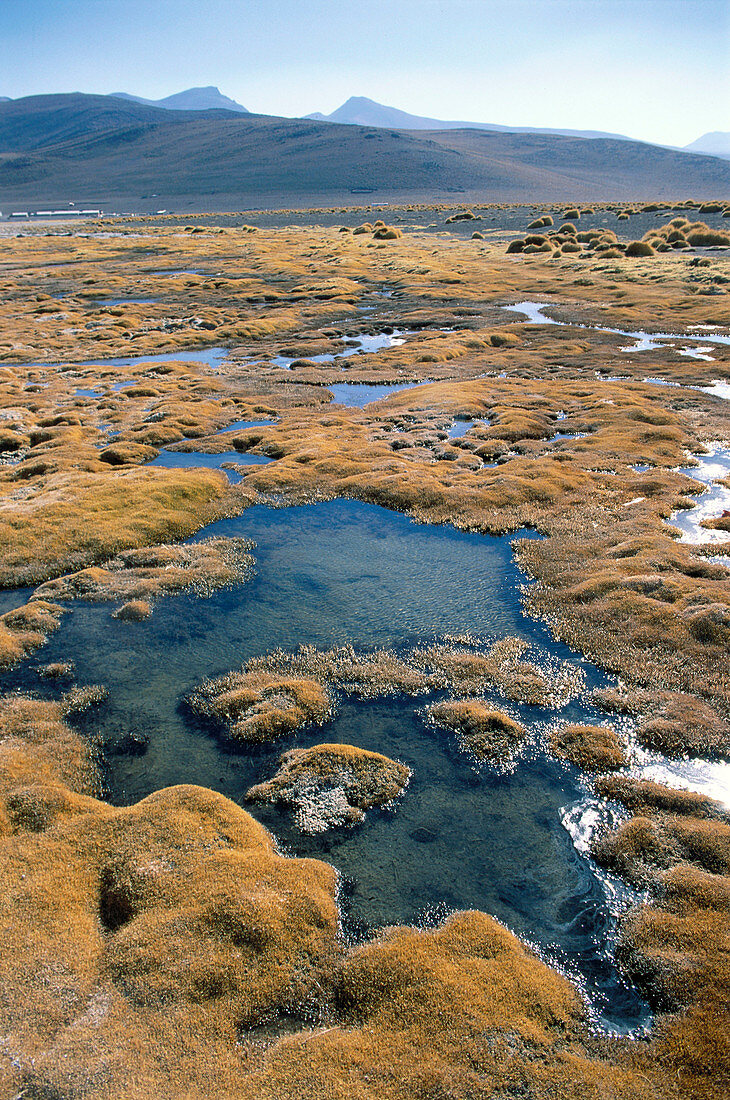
461,836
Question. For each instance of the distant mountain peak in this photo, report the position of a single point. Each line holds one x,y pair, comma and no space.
358,110
716,143
208,98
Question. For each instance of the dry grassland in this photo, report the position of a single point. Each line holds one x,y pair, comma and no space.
168,949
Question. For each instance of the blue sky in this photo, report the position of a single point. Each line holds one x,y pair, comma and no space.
652,69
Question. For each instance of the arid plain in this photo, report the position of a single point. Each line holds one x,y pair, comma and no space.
172,947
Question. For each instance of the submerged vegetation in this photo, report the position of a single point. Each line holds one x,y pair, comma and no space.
169,948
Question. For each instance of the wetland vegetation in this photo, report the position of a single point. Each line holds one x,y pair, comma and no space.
364,636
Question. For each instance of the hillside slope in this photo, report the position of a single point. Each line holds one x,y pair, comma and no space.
121,153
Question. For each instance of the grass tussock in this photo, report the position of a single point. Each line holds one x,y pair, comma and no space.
590,748
255,705
671,722
485,732
469,672
25,629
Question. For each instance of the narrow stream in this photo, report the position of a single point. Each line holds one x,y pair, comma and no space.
644,341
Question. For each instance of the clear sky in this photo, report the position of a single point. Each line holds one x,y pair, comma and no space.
657,70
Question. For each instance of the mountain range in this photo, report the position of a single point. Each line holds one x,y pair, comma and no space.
360,111
116,153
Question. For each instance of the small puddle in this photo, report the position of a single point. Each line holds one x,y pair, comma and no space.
240,425
108,302
460,427
356,395
212,356
718,388
187,460
354,345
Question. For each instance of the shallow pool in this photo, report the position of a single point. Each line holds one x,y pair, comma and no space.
461,836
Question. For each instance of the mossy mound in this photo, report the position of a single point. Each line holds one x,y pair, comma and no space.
332,785
487,733
590,748
255,705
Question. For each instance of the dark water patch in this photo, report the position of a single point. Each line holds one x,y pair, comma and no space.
10,598
212,356
240,425
562,436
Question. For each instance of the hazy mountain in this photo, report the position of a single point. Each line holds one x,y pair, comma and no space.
126,155
193,99
46,121
716,144
4,99
360,111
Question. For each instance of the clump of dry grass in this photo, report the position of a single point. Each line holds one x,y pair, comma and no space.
368,675
590,748
134,611
644,846
645,796
40,751
255,705
671,722
639,248
487,733
57,670
332,785
25,629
